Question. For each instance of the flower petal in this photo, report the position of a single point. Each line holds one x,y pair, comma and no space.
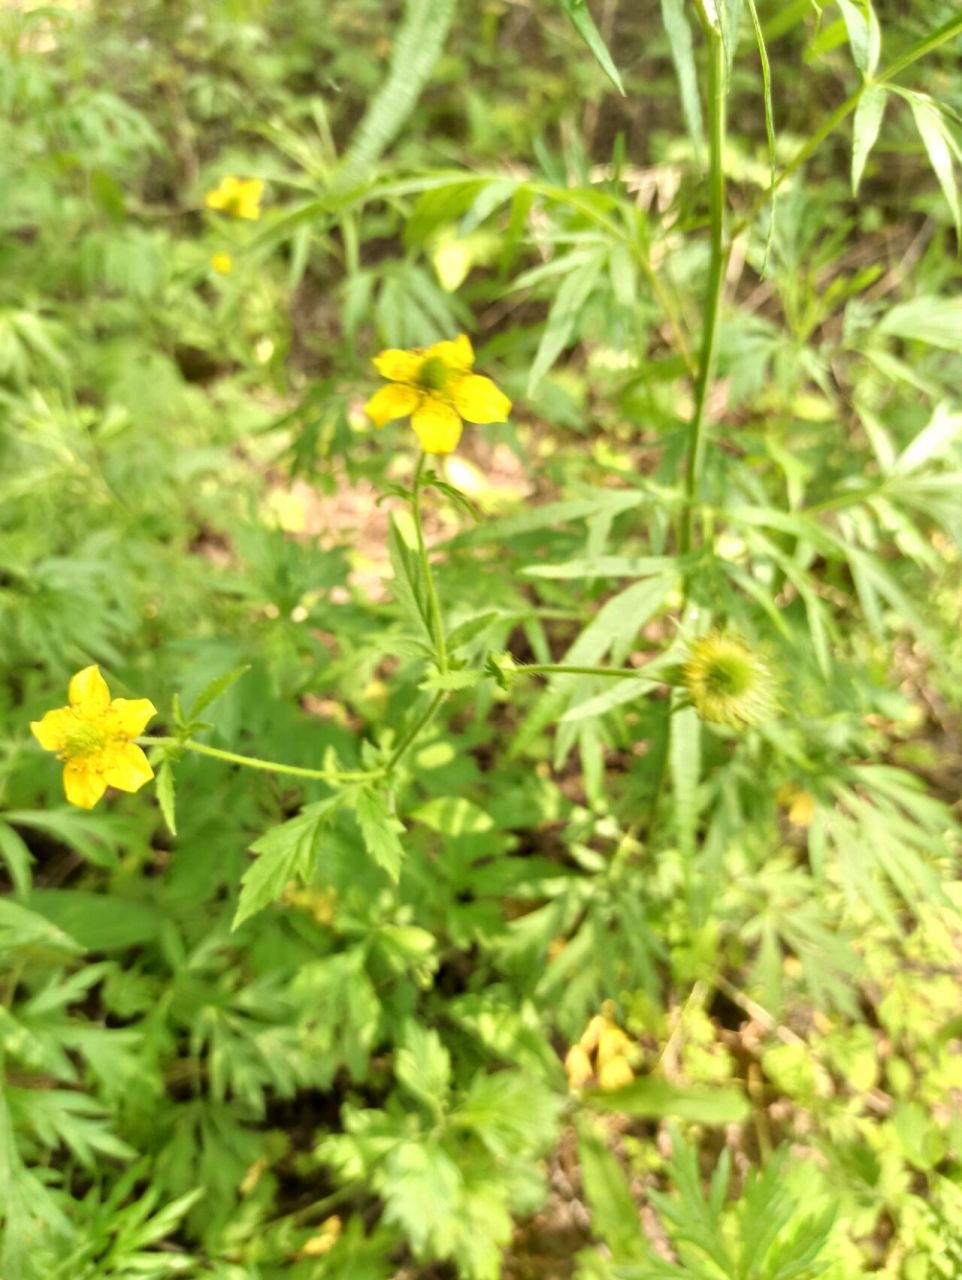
88,691
126,767
83,784
51,732
458,354
130,715
393,401
398,366
437,425
477,399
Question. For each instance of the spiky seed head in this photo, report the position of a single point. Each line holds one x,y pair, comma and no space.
728,682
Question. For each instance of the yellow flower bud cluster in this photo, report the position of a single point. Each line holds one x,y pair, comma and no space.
602,1054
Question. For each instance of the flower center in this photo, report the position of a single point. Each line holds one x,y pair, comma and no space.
433,374
84,738
729,674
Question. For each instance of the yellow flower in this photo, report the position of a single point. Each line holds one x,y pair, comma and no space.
237,197
602,1053
223,263
436,389
93,738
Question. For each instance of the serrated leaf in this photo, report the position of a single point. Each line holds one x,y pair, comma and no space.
423,1065
683,56
166,796
283,854
467,631
380,829
416,48
584,24
216,687
453,816
868,122
563,317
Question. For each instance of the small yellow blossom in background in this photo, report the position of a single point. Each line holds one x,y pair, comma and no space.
436,389
237,197
602,1054
325,1240
798,804
93,737
223,263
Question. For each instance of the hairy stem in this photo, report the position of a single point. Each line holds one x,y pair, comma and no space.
437,625
254,762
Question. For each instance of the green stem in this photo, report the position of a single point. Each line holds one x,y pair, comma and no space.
618,673
437,624
716,280
422,721
254,762
949,31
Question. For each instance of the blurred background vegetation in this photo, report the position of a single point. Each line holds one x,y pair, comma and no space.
366,1079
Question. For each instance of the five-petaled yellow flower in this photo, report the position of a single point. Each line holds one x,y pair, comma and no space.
237,197
93,738
222,263
435,387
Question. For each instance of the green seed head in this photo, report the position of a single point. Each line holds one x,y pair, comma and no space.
728,683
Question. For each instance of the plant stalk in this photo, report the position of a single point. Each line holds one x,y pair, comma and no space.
716,280
437,625
254,762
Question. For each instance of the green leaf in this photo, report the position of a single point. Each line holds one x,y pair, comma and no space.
22,928
943,151
416,48
685,762
933,441
868,122
769,120
423,1065
165,796
94,836
614,1213
564,316
619,692
98,922
17,856
285,853
604,567
451,681
407,583
470,630
380,829
453,816
584,24
864,35
937,321
683,56
214,690
658,1098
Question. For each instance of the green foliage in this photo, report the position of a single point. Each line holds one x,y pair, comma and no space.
431,790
